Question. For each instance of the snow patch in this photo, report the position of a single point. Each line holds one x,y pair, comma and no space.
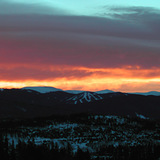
73,91
42,89
141,116
84,97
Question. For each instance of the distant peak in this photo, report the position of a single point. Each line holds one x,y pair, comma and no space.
42,89
104,91
153,93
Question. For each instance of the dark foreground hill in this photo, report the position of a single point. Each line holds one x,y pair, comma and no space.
80,137
20,103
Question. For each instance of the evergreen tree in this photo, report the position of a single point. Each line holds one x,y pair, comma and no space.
12,153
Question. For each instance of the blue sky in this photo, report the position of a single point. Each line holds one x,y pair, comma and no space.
71,7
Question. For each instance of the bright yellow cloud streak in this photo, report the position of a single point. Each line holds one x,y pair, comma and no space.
126,79
91,84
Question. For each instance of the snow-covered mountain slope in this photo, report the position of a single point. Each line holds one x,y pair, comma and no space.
83,98
42,89
104,91
74,91
154,93
141,116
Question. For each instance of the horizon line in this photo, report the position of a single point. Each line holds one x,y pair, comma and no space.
81,90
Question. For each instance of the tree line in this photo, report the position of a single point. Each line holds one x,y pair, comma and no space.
30,151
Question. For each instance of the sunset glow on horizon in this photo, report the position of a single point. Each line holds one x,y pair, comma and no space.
83,45
90,79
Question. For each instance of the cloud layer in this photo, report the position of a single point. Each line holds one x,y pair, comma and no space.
82,50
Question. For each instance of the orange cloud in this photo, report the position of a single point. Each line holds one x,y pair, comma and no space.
126,79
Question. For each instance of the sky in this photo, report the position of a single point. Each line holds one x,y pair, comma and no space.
80,44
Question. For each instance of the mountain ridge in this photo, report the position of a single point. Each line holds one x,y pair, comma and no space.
42,89
46,89
23,103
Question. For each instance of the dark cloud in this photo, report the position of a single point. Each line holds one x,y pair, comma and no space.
78,50
83,41
82,25
146,16
141,14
